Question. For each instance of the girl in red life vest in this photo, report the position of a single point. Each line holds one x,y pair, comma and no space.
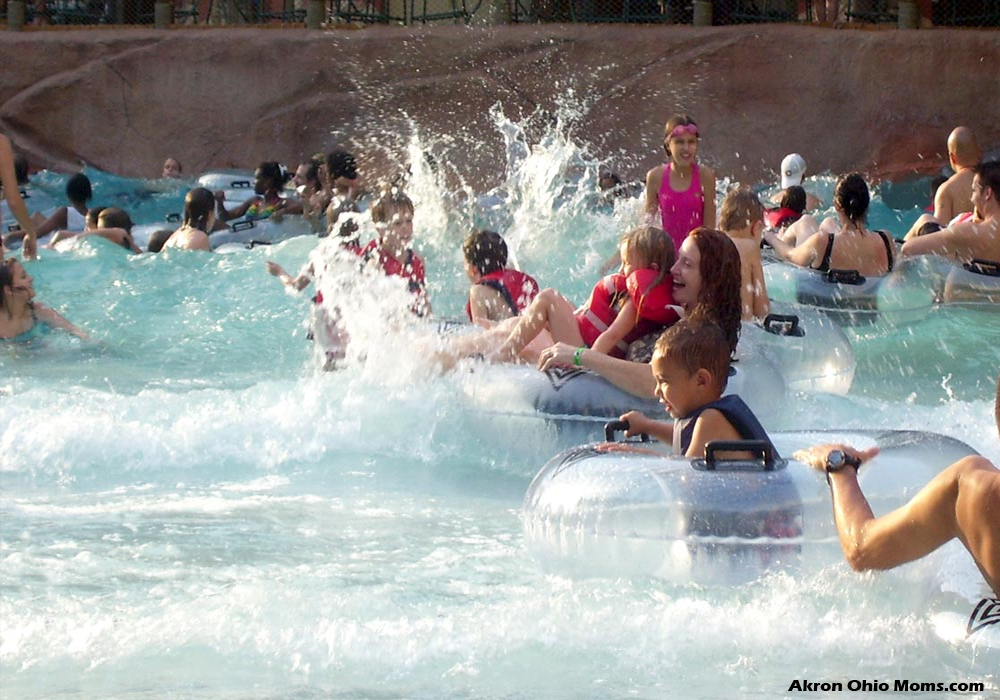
623,306
497,292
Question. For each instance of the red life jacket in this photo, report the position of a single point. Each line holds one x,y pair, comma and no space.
780,218
654,307
411,269
517,289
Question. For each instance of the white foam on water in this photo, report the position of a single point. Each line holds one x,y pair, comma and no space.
194,509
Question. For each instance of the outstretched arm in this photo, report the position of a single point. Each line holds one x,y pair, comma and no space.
962,501
634,377
224,214
55,319
12,193
639,423
297,283
949,241
802,255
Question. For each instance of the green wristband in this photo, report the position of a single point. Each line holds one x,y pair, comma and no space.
578,356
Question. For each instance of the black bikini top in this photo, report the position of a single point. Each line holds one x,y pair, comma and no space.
824,265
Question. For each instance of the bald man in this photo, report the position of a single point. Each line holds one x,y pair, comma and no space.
954,197
978,238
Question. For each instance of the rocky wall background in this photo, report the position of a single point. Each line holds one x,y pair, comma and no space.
122,100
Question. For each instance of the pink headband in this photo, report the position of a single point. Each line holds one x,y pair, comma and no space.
682,129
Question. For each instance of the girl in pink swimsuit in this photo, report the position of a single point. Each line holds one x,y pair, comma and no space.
682,191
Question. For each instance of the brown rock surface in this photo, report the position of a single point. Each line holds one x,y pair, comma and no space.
878,101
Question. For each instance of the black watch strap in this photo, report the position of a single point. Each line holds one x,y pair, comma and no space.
836,460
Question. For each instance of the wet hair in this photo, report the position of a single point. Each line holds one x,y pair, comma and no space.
608,175
198,207
989,176
341,164
719,299
852,197
78,189
653,247
696,344
7,279
390,200
157,239
672,123
929,227
93,215
113,217
740,209
275,172
312,170
794,198
21,168
486,250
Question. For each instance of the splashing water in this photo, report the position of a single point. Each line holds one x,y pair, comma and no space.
191,508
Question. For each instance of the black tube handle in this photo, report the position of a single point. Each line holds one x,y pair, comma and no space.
762,447
783,324
845,277
990,268
613,426
239,184
173,218
243,225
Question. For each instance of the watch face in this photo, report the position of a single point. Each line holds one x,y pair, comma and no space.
835,460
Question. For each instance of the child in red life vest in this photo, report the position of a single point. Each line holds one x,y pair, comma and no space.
622,307
793,204
497,292
392,214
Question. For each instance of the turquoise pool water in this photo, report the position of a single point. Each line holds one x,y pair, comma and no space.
189,508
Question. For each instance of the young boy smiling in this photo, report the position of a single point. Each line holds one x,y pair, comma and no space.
691,367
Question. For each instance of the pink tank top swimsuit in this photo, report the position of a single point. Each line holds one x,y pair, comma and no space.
681,212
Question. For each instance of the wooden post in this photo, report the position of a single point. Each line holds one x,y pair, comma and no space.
15,15
163,14
314,13
909,17
702,13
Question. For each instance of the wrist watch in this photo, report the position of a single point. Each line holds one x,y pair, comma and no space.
837,460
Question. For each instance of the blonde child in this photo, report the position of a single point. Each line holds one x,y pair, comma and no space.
691,365
742,219
682,191
622,307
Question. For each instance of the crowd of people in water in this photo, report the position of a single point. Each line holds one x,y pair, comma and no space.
665,323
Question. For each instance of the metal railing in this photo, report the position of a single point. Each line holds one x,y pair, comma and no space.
975,13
